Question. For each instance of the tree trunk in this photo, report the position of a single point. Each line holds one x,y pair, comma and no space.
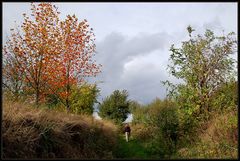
68,88
37,97
67,105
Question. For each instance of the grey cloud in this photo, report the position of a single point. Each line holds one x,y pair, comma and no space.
116,50
145,43
144,84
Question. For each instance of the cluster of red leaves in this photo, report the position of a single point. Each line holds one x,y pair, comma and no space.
52,54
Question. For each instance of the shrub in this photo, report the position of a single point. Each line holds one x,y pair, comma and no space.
82,99
225,97
160,127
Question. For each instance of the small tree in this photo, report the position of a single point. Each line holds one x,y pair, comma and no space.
76,58
34,46
204,64
115,106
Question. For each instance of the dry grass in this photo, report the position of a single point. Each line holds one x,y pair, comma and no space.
218,141
40,133
222,127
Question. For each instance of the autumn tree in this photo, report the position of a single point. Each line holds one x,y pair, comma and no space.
115,106
75,62
35,46
53,55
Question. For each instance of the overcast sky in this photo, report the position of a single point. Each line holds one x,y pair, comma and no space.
133,39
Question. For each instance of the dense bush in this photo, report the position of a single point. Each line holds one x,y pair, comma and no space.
81,100
161,121
165,122
225,98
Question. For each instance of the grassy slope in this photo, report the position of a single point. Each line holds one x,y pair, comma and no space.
28,132
219,140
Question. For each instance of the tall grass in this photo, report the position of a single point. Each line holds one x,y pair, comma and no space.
218,141
31,133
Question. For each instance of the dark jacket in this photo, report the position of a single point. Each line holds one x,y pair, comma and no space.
127,129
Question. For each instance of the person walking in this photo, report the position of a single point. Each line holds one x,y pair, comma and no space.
127,131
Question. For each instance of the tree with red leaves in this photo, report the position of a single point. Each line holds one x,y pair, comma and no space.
52,54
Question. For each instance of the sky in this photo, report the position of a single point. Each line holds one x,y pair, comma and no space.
133,39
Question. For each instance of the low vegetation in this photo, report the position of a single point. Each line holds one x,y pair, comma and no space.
28,132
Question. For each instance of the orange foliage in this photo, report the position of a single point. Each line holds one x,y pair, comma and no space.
51,53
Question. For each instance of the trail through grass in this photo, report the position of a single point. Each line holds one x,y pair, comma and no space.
133,149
